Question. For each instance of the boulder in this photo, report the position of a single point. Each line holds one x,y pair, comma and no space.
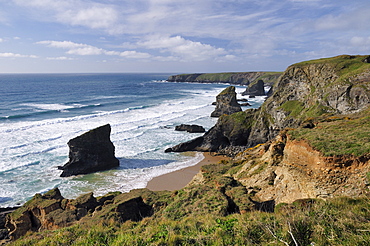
255,89
226,103
91,152
190,128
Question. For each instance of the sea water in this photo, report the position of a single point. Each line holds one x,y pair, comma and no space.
40,113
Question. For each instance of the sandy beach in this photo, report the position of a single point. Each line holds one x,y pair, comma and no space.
180,178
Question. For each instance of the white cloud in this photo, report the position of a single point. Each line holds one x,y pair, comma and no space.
85,49
1,40
356,18
183,48
60,58
74,48
74,12
93,17
62,44
361,43
51,4
135,55
14,55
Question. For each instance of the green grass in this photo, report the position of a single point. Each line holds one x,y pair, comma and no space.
313,222
339,136
216,76
294,108
345,65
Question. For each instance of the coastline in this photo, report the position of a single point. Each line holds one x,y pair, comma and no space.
179,179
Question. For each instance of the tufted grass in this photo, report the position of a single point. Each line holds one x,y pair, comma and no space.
338,136
305,222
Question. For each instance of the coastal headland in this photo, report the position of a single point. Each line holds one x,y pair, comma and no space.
236,78
298,173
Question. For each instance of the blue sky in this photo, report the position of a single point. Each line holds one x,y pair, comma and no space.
57,36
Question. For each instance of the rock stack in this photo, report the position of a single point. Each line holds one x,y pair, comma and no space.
91,152
226,103
255,89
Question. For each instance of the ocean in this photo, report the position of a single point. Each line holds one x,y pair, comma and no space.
40,113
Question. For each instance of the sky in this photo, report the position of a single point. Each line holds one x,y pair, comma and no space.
177,36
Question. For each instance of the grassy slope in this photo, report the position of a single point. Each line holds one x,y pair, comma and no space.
335,136
346,66
322,222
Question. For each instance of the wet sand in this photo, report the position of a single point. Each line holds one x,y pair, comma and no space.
180,178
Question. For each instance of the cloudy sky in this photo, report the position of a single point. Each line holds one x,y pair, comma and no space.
51,36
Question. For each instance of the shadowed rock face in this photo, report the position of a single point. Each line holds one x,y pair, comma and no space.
255,89
91,152
226,103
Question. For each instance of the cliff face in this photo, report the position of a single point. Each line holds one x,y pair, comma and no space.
232,78
285,170
305,91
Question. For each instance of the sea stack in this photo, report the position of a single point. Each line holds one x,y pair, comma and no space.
255,89
91,152
226,103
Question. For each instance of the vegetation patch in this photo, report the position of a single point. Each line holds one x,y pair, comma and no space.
294,107
345,65
319,223
341,136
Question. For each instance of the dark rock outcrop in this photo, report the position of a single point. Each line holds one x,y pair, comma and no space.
4,233
91,152
255,89
52,211
230,130
190,128
226,103
338,85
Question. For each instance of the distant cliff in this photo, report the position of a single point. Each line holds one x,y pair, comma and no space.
242,78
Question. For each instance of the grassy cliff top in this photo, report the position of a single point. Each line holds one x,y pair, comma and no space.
232,77
345,65
341,135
